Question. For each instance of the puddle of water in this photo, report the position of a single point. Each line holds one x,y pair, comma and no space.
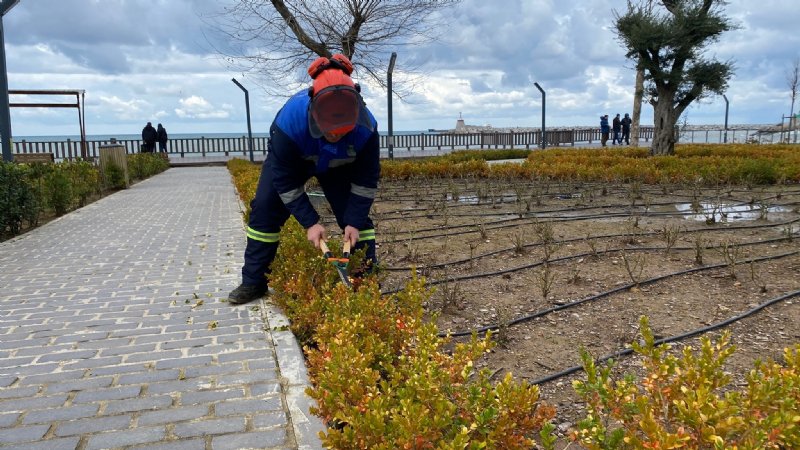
727,213
474,200
569,196
466,199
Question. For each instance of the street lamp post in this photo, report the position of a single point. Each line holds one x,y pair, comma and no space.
5,107
390,143
247,107
543,144
725,140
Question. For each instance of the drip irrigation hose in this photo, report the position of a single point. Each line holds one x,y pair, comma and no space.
515,199
606,236
666,340
579,255
394,195
547,311
552,218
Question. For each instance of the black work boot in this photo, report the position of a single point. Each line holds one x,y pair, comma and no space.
246,293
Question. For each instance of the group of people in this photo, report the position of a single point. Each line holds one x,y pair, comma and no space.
620,127
152,135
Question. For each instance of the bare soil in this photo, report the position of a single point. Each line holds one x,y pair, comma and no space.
496,251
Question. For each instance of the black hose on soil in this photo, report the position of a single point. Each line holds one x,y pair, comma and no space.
666,340
605,236
567,258
544,312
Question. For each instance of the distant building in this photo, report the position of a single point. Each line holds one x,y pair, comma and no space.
460,126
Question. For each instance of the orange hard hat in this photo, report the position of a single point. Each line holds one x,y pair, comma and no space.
335,104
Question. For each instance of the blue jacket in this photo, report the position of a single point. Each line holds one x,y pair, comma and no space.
604,128
294,156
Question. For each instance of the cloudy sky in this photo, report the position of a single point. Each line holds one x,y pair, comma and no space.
142,61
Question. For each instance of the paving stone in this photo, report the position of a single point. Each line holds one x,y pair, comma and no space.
49,444
248,378
183,444
230,368
21,392
94,363
173,415
118,439
254,440
23,404
137,404
127,350
8,419
149,377
22,434
79,385
52,377
190,398
60,414
173,355
270,420
93,425
183,362
227,408
107,394
210,427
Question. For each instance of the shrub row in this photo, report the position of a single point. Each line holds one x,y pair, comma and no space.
29,192
688,402
382,378
705,164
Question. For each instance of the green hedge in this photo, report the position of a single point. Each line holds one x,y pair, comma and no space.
30,191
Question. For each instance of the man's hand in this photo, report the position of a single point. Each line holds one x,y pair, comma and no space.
351,234
315,233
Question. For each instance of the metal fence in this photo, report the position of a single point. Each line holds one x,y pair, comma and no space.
202,146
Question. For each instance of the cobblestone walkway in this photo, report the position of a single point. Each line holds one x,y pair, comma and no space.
114,332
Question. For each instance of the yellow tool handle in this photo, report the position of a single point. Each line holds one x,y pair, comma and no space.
346,249
324,247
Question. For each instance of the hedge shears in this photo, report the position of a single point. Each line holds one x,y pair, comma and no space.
339,263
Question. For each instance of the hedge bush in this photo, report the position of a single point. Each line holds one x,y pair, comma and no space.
30,191
687,402
382,377
18,201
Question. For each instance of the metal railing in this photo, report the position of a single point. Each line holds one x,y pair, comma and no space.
202,146
230,146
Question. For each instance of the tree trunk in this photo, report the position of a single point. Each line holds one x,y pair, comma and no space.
664,135
637,107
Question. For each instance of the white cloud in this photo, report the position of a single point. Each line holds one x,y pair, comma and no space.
195,107
145,61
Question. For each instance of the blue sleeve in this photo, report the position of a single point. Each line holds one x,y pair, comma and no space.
289,178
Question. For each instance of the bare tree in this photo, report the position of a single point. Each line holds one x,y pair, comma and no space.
793,79
669,47
277,39
638,92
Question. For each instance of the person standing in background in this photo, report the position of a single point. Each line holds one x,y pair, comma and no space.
626,129
617,128
604,129
162,138
149,136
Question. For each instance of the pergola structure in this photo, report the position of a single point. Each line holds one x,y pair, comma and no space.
79,104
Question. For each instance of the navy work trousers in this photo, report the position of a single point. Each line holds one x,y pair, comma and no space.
268,214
